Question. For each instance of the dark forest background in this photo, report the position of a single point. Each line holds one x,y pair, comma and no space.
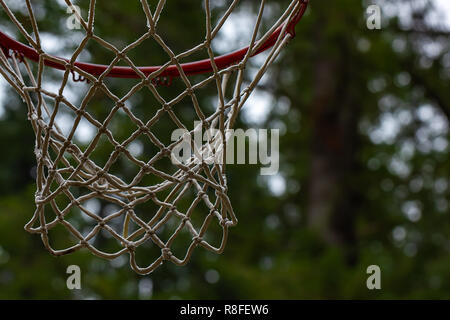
364,174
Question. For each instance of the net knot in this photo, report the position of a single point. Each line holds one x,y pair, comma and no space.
189,91
38,154
166,107
71,148
39,198
206,124
166,253
84,158
213,211
146,82
147,168
40,51
197,239
165,152
76,202
68,66
67,143
221,191
120,104
202,194
98,83
185,219
224,222
101,173
89,32
83,243
43,230
102,129
241,65
131,246
51,172
120,55
59,98
190,174
120,148
144,129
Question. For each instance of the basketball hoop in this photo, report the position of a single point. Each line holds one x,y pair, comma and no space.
64,166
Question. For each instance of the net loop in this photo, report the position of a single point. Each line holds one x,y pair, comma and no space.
76,77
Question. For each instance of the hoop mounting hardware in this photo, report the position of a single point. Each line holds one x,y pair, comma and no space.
166,76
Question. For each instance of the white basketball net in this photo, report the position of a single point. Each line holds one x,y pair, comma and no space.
64,168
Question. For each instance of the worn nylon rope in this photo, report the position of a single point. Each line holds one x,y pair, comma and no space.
53,148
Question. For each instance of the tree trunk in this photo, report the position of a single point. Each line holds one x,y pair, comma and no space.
332,204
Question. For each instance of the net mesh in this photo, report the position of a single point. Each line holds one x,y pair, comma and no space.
68,178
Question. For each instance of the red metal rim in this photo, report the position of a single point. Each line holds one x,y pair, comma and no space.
191,68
